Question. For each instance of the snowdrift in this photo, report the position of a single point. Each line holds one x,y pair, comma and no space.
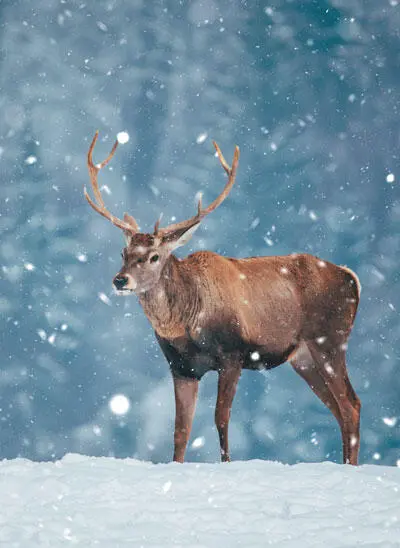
107,503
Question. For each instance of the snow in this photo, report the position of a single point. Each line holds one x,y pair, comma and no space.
103,297
201,138
82,257
30,160
122,137
390,178
119,404
268,241
198,442
105,502
390,421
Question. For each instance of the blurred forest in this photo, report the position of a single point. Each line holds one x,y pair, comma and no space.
309,91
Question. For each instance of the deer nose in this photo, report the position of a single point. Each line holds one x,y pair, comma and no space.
120,282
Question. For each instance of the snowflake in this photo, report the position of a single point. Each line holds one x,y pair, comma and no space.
122,137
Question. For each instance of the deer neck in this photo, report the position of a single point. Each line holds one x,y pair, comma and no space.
171,304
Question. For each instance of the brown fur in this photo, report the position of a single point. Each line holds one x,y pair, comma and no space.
215,313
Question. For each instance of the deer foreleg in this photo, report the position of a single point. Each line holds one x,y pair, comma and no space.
185,404
227,383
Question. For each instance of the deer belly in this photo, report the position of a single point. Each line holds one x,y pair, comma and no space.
192,358
261,358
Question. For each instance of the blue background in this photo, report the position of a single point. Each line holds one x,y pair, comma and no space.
310,93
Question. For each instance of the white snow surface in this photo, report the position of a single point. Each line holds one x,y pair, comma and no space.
108,503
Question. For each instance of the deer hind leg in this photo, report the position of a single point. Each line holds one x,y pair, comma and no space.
325,372
331,360
228,378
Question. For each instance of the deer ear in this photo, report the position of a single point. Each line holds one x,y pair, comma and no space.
179,237
131,221
128,237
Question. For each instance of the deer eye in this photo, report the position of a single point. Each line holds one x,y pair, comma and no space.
154,258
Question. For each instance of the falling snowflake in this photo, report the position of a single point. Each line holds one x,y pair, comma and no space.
198,442
122,137
102,26
328,368
201,138
31,160
314,439
119,404
103,297
42,334
390,421
106,189
390,178
154,190
268,241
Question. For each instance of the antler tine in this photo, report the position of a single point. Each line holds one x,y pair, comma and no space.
199,204
94,169
222,159
157,225
99,206
115,221
201,213
231,171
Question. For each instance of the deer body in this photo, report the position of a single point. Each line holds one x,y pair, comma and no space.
211,312
253,307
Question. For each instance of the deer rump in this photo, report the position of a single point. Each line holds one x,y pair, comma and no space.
261,309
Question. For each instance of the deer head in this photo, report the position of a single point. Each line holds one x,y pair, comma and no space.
146,254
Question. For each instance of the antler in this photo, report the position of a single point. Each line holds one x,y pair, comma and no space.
99,204
201,213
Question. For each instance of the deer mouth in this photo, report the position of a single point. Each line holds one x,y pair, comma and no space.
123,292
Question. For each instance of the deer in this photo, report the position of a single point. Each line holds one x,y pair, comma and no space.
215,313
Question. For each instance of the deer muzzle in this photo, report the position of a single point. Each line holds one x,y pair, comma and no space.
124,283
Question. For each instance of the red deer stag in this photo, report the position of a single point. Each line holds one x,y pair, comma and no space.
217,313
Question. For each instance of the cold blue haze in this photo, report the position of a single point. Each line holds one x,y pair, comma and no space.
309,91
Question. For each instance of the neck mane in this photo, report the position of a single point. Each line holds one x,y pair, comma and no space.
171,305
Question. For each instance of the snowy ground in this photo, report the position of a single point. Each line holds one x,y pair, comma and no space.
110,503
